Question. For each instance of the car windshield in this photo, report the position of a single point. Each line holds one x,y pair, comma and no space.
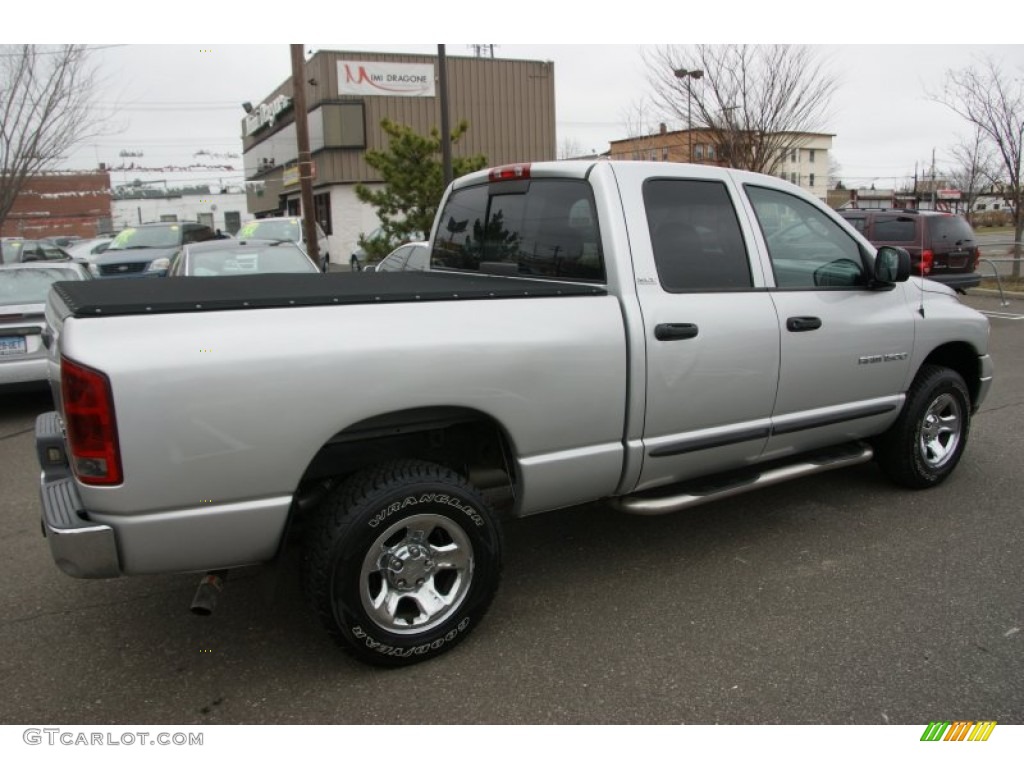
29,286
271,229
253,260
147,237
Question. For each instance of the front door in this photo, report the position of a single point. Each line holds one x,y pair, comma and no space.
846,347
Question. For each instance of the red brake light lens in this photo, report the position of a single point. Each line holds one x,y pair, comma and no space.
510,172
927,258
977,258
90,423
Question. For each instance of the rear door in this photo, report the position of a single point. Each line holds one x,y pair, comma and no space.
711,332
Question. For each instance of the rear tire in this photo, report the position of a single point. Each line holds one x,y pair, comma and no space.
353,265
925,444
402,562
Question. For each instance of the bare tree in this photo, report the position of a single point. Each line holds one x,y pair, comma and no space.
640,126
751,100
993,101
835,174
46,110
569,148
974,169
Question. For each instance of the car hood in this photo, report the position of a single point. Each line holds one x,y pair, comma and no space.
931,286
120,256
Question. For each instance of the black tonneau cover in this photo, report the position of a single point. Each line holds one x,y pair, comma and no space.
143,296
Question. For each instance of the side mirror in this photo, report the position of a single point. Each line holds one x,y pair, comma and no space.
892,265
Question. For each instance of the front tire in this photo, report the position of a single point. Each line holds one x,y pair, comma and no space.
925,444
402,562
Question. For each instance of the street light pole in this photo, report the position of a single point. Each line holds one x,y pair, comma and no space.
690,75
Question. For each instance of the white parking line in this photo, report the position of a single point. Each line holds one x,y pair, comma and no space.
1002,315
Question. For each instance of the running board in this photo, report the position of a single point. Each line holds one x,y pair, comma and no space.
723,486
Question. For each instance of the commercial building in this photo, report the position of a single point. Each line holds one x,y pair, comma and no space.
508,104
222,208
804,162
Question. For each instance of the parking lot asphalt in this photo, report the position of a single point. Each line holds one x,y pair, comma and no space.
834,599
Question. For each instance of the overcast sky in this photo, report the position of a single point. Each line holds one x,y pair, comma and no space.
175,100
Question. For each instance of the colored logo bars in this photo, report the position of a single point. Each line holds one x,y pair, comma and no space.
959,730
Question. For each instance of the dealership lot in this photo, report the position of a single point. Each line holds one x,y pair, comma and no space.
834,599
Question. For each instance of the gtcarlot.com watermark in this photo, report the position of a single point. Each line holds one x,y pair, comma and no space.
54,737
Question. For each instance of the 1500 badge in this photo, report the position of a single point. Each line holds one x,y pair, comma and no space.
869,359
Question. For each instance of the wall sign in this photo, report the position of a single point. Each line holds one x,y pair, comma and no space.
265,115
375,78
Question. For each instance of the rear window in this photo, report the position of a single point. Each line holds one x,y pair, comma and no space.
543,228
950,229
894,229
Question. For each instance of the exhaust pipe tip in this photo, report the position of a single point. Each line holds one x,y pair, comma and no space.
209,590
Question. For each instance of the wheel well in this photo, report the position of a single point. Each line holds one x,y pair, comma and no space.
962,358
467,441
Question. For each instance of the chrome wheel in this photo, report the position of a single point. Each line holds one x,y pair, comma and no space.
416,574
940,431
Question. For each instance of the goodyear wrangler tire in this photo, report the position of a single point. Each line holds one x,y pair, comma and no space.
402,562
925,444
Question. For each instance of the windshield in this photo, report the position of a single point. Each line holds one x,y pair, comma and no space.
276,229
147,237
29,286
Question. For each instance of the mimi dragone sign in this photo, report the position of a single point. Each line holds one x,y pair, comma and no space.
375,78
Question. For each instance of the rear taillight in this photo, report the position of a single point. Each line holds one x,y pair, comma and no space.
927,258
977,259
90,423
509,172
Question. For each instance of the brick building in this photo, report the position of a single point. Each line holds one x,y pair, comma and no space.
61,204
804,162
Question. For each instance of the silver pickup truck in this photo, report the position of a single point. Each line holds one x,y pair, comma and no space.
656,335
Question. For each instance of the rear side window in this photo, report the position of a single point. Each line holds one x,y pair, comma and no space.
949,230
698,245
895,229
545,228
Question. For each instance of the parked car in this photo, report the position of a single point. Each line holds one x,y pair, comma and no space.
220,258
147,250
286,228
361,260
942,246
23,289
85,251
411,257
17,250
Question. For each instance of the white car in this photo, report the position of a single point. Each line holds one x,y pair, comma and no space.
285,228
23,290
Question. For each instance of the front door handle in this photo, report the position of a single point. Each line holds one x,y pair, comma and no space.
674,331
797,324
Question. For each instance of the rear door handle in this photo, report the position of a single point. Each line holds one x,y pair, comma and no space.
675,331
797,324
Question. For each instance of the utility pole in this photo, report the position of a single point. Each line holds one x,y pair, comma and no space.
305,161
933,178
446,131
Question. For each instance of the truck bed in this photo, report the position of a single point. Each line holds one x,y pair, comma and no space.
106,298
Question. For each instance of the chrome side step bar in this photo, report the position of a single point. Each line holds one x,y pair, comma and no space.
701,492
